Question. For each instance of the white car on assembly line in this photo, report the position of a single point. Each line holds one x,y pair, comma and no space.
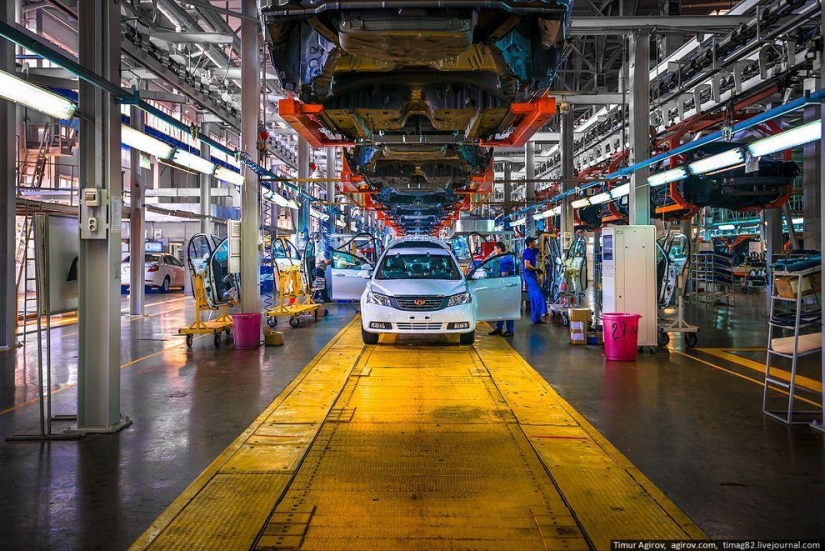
418,287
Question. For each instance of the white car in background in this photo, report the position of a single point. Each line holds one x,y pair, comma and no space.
418,287
162,271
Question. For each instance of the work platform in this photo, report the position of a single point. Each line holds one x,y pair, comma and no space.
418,446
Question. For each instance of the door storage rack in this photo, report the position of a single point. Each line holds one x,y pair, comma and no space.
221,324
799,316
293,300
711,278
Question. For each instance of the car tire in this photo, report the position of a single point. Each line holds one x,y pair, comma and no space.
369,338
468,338
164,288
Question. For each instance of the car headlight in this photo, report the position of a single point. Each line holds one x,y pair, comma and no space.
378,298
460,298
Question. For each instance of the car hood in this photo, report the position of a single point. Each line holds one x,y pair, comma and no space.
418,287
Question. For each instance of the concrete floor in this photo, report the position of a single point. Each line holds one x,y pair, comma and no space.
696,430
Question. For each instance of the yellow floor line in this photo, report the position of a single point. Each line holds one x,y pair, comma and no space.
401,446
755,381
67,387
573,459
164,523
776,372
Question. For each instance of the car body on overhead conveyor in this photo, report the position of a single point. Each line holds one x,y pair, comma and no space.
419,89
765,183
418,287
442,70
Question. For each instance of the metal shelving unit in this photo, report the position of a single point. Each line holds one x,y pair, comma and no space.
711,278
792,315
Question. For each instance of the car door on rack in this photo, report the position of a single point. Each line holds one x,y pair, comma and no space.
347,283
496,288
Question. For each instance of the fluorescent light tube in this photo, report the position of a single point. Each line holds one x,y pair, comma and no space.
222,173
620,191
727,227
318,214
673,175
579,203
716,162
193,162
555,211
280,200
519,222
798,220
19,91
600,198
144,142
806,133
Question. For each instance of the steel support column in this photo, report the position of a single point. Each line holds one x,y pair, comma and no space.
8,194
821,424
773,242
811,185
639,134
98,364
331,173
530,189
508,188
206,182
137,237
567,175
250,111
303,173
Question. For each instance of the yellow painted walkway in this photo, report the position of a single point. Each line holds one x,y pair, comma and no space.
401,446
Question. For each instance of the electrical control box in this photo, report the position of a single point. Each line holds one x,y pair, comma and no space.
629,276
234,228
94,213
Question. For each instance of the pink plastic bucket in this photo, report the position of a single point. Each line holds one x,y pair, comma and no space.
621,336
247,328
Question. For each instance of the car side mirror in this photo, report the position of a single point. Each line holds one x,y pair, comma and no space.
479,274
365,274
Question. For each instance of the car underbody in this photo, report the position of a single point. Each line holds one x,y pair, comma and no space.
417,86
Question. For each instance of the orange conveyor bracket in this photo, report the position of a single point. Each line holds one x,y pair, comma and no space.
303,117
534,115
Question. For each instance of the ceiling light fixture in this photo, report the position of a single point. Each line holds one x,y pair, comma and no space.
788,139
193,162
144,142
19,91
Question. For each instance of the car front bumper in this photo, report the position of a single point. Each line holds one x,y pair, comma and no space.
391,320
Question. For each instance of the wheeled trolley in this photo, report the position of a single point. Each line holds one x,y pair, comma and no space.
216,327
293,299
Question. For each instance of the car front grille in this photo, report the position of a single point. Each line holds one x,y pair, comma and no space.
419,304
422,326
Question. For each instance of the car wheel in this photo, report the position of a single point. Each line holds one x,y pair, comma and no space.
166,284
468,338
369,338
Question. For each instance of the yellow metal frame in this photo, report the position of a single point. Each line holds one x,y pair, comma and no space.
199,327
293,297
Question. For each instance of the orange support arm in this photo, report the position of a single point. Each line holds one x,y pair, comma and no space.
349,180
533,115
304,119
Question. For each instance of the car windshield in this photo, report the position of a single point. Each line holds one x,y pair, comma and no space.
418,266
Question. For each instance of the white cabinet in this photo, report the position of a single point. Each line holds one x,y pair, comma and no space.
629,276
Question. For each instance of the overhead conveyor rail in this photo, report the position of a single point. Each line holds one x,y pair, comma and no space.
399,447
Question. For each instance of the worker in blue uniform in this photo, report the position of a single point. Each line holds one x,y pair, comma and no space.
507,267
538,306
